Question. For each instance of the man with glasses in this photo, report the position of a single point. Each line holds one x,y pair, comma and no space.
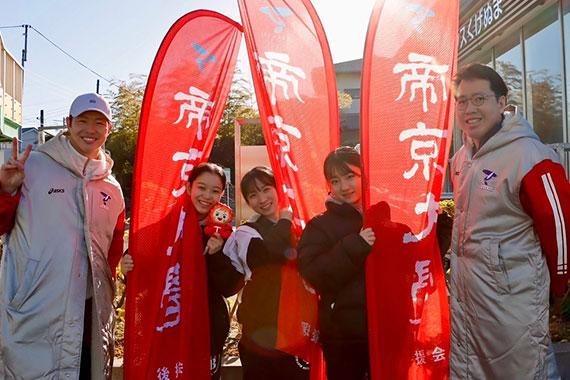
510,237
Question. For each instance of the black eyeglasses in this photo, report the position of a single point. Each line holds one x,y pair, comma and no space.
476,100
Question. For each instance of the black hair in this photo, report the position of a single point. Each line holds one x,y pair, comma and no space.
338,160
208,167
258,175
479,71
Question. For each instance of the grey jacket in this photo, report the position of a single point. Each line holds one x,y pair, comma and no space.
63,231
499,276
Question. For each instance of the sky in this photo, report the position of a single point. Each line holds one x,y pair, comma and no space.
116,38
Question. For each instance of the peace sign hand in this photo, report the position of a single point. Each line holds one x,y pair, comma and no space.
12,172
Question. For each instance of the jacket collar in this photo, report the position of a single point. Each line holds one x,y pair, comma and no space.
334,205
61,151
513,127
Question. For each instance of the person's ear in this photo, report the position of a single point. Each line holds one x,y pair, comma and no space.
188,187
68,122
502,103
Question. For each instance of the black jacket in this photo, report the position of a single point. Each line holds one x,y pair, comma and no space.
331,257
260,299
223,281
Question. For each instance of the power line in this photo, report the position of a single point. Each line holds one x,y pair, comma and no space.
112,83
70,56
80,63
60,49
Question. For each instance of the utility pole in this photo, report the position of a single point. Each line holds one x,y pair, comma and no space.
41,133
43,127
25,49
97,86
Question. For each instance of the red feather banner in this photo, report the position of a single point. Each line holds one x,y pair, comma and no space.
407,121
167,334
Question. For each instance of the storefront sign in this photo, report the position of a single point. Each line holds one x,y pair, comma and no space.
482,19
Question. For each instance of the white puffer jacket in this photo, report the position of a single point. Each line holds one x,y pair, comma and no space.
500,281
63,230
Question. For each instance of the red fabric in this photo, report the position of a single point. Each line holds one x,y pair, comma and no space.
296,93
545,196
117,244
8,207
225,230
406,114
194,65
297,318
176,345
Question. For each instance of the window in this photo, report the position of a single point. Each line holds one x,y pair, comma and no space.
544,75
353,92
566,13
509,65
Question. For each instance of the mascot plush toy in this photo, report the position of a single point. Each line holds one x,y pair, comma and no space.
221,216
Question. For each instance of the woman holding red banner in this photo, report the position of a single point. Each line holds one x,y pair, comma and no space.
258,250
205,187
332,254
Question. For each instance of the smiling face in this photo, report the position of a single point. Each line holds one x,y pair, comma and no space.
477,121
347,187
205,192
88,132
264,200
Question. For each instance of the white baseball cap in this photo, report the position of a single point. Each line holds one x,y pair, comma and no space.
90,102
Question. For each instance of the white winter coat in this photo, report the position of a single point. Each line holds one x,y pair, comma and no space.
63,231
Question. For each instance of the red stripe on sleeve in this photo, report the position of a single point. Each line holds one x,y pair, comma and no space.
545,196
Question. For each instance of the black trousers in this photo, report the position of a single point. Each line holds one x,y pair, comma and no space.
271,365
347,361
85,366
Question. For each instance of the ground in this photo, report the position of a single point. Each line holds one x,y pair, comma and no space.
230,348
119,338
559,324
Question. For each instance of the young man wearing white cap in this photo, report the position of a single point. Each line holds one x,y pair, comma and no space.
62,214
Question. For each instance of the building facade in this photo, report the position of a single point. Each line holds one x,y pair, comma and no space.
528,43
11,86
348,81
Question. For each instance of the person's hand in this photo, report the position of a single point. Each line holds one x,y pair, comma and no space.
127,263
368,235
214,244
12,172
286,213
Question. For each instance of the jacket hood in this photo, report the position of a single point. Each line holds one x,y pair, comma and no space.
514,127
60,150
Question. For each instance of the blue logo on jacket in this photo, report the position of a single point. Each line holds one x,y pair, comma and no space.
106,198
489,175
